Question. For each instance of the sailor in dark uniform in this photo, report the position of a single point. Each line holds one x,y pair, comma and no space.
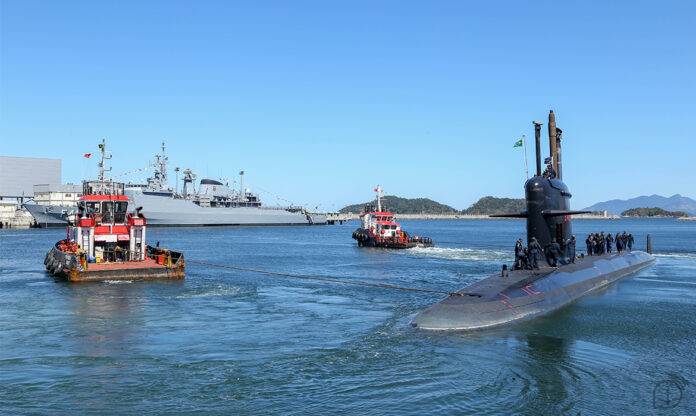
525,259
610,241
549,173
602,243
625,239
554,251
519,255
588,242
571,249
595,244
630,242
619,242
534,250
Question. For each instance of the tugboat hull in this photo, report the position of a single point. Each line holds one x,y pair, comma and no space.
497,300
366,240
66,266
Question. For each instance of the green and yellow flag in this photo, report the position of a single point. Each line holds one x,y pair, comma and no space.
518,143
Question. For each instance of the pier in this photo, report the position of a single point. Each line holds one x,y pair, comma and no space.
336,217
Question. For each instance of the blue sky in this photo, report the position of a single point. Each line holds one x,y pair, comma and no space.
320,101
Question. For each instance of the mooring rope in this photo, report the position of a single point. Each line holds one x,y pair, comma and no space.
325,279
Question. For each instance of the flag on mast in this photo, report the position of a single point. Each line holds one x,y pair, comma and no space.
518,143
87,155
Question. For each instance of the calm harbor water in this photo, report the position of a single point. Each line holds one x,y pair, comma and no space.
232,342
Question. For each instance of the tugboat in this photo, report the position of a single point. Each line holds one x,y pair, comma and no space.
379,229
106,242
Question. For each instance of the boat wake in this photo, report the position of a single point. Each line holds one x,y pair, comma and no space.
220,290
677,255
467,254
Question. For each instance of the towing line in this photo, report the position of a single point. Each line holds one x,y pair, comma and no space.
324,279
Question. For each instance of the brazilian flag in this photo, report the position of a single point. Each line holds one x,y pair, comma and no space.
518,143
101,146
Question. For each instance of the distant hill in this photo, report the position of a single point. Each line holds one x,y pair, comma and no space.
404,206
673,203
492,205
652,212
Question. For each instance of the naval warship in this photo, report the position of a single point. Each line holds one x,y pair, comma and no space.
213,203
517,295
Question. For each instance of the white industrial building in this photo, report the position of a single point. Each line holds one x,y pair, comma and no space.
18,175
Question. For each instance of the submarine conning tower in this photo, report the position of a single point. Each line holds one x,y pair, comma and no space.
546,196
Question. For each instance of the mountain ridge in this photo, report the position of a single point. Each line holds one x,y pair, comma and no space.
676,202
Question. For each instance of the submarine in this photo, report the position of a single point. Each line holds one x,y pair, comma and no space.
514,296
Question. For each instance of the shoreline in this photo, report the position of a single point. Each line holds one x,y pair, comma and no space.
479,217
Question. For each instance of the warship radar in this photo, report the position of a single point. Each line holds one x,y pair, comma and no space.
524,293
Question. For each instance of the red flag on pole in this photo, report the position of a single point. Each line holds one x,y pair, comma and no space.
87,155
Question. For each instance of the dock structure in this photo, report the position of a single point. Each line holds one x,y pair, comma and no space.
337,217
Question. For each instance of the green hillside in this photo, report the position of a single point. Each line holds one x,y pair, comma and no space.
492,205
404,206
652,212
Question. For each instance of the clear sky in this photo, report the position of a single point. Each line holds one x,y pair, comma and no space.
321,101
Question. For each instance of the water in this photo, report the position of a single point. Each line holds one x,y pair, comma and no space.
233,342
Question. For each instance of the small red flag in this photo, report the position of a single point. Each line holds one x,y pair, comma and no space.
375,189
87,155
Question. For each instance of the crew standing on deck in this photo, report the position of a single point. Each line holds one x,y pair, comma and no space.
571,249
589,244
610,241
630,242
619,242
534,250
519,255
554,251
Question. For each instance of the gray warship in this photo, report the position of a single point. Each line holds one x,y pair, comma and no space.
518,295
213,203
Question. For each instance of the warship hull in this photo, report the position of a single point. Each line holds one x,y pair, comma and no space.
171,212
50,216
525,294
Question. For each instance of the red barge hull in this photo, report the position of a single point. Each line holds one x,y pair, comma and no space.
160,264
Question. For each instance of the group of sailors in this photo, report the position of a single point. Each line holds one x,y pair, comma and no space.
598,244
527,258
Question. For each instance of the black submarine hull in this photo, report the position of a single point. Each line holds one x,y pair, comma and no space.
525,294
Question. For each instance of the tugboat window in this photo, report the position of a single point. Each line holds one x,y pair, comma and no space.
108,212
121,208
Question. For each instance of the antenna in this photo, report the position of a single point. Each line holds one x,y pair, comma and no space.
379,191
104,157
241,184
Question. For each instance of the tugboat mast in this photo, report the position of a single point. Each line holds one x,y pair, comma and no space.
104,157
379,191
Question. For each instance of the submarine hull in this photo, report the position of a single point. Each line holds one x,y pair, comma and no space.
525,294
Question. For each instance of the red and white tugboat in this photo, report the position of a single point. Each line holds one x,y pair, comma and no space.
106,242
379,229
